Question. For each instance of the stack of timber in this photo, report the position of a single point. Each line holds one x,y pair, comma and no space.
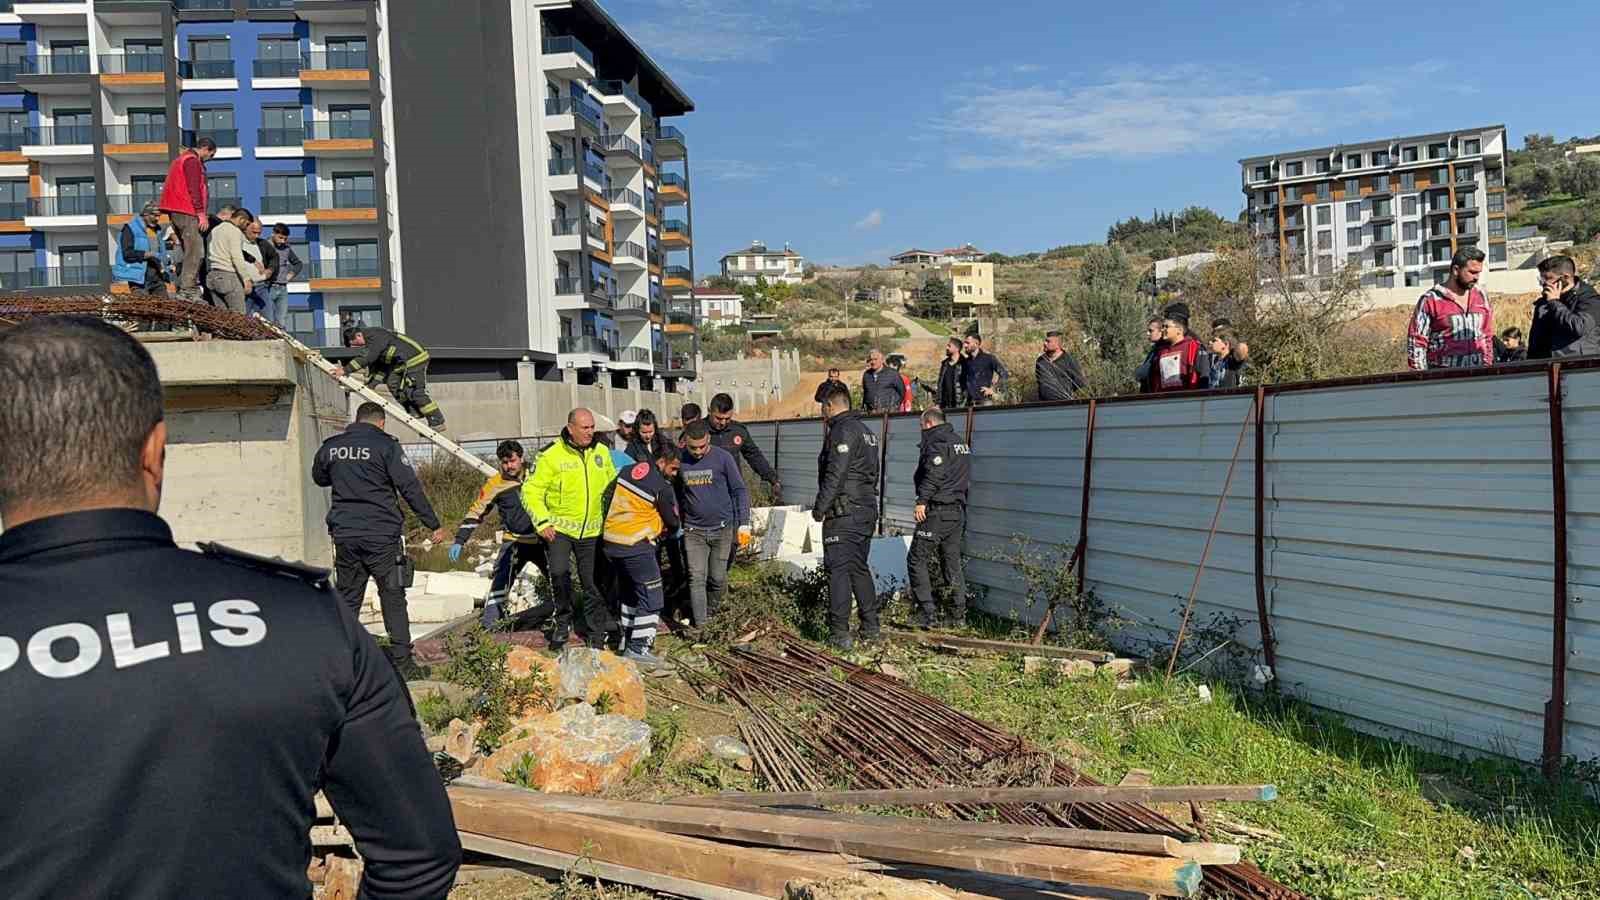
717,847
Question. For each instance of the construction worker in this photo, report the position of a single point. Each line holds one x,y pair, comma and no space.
400,363
566,498
366,467
503,493
643,508
218,691
941,479
847,507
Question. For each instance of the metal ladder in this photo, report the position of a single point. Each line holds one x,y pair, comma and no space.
390,407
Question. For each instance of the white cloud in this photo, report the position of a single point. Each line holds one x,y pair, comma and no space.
1147,112
1027,68
870,221
735,169
726,31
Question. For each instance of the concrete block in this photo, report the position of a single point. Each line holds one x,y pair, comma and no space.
468,583
438,607
785,533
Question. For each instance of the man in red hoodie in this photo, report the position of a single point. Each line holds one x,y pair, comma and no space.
184,199
1180,363
1453,326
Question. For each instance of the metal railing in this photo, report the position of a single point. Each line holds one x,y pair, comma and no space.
150,133
205,4
569,286
271,4
129,204
277,68
343,268
625,197
681,272
677,225
348,198
595,173
54,276
280,137
206,68
564,227
630,303
632,355
672,179
563,167
595,229
679,316
224,137
568,44
614,88
628,249
669,133
284,205
572,106
132,63
337,60
55,64
58,135
583,343
350,130
621,143
13,210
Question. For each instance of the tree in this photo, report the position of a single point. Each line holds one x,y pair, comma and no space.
1105,269
998,259
1582,178
1541,182
937,301
722,283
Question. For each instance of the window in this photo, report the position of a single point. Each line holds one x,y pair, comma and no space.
1471,147
353,190
1382,208
284,194
146,189
1352,187
1325,240
361,317
1294,169
1383,258
1408,154
1410,230
1352,236
1408,205
13,127
1495,177
1380,158
1466,199
1497,202
1408,181
1324,265
347,53
215,122
1324,166
347,122
1497,227
11,54
1497,253
1353,161
1324,215
72,126
1466,173
1466,225
1352,211
356,259
1322,190
223,191
282,126
143,55
79,265
1382,184
1262,173
1441,176
1438,151
16,269
1383,233
67,58
13,200
210,57
277,57
1354,259
1413,256
146,126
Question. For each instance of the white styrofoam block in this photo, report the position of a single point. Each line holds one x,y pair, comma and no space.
438,607
455,583
799,563
813,535
761,515
785,534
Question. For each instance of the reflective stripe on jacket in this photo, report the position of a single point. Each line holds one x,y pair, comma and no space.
568,488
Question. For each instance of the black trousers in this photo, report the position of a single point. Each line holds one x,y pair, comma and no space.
846,540
938,535
410,388
507,566
639,595
593,618
677,582
357,559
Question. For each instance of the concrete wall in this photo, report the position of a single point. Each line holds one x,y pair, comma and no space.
1514,281
244,419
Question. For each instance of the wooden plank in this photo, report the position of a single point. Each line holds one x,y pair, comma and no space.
559,863
1080,838
1248,793
979,645
1160,875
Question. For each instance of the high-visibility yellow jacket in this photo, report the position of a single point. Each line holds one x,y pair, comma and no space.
568,488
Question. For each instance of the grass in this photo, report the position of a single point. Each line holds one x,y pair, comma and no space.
942,329
1353,814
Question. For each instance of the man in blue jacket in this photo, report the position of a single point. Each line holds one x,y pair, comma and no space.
141,260
715,506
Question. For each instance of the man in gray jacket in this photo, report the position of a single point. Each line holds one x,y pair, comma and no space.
231,275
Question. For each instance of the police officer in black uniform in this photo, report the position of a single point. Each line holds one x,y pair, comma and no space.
365,466
847,507
216,692
943,472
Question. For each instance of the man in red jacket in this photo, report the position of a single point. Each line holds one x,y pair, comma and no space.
1453,326
1180,363
184,199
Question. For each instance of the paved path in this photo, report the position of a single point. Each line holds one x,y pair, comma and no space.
912,326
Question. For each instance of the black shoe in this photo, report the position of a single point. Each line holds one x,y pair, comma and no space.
843,645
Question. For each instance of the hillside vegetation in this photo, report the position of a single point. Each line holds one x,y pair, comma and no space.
1558,195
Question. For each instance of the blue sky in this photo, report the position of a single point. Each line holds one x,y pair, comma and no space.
856,128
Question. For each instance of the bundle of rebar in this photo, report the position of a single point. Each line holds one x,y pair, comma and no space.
138,310
809,729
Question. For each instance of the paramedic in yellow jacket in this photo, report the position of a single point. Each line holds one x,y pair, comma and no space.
643,507
502,493
566,498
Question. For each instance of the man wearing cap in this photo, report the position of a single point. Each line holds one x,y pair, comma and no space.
627,425
141,260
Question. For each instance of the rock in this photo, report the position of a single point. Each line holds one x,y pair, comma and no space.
731,749
461,740
1119,668
690,748
436,743
524,661
1070,668
317,872
892,670
586,674
454,693
1205,693
438,607
468,583
866,886
343,880
574,751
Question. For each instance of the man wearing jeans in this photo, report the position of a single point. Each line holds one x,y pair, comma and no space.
184,199
714,503
289,268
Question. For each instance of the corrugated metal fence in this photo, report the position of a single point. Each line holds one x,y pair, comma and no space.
1404,546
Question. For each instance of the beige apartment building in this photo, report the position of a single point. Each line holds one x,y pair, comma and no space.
971,283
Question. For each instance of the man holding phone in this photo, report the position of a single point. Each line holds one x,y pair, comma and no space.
1564,315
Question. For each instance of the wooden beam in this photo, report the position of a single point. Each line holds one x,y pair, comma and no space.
1249,793
1159,875
558,862
978,645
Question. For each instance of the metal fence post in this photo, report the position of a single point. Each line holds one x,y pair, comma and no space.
1268,642
883,470
1555,711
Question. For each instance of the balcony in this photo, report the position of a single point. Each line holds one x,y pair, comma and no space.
677,276
341,138
586,344
50,213
342,207
566,57
342,69
344,275
215,202
563,174
205,5
675,234
621,98
55,73
622,151
562,115
136,142
565,237
630,306
632,357
224,137
595,174
668,143
206,70
123,207
284,205
625,202
280,142
569,287
58,142
279,69
133,72
627,255
596,232
672,188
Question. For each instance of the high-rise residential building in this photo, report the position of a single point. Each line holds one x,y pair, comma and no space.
494,177
1397,208
757,262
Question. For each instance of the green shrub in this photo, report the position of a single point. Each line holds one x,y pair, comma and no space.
478,663
435,710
